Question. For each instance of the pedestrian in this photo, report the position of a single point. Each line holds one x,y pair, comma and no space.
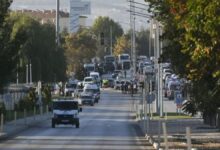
132,88
122,87
101,83
126,87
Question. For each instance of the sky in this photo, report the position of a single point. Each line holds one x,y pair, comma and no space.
115,9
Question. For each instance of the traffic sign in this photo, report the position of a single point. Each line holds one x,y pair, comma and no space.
178,99
150,98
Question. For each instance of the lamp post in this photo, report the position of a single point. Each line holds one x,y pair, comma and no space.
158,66
57,22
30,73
111,40
27,74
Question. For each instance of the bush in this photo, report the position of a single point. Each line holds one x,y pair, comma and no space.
28,102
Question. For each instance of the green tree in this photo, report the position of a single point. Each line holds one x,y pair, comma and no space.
122,46
79,48
142,40
10,42
192,28
39,49
106,25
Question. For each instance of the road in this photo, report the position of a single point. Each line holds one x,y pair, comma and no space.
106,126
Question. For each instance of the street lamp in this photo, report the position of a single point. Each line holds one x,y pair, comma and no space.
26,73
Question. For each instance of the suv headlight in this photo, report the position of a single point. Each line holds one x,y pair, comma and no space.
55,115
75,116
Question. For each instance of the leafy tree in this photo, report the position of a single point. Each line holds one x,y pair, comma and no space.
122,46
142,40
39,49
10,43
192,28
104,25
79,48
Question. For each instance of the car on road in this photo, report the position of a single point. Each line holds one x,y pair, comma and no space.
65,112
70,88
88,80
94,89
87,99
77,92
117,85
115,73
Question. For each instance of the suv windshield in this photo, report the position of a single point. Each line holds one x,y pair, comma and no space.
86,97
92,90
88,79
65,105
71,86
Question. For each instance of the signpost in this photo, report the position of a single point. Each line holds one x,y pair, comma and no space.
178,100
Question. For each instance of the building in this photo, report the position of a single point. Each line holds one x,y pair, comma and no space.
71,21
48,16
77,9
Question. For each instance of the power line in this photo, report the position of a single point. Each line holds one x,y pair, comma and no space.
140,14
138,7
138,3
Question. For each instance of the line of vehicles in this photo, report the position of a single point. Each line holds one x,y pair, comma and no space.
66,109
87,92
110,63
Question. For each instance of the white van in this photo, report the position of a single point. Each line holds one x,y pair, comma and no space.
94,89
95,75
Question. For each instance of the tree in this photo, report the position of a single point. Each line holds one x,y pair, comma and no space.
104,25
79,48
39,49
10,43
192,28
142,40
122,46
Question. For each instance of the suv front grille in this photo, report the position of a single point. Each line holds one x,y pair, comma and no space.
65,116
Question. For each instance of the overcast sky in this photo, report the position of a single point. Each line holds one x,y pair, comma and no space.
115,9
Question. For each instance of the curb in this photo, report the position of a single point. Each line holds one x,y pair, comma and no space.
151,141
17,129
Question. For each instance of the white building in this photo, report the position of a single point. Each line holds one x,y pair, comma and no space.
78,8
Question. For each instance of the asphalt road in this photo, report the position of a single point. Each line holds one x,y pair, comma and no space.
106,126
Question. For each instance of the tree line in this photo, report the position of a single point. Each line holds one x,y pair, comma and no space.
191,28
23,41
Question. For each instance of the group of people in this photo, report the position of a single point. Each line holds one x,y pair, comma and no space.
127,87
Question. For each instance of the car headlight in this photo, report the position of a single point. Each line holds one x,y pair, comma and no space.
55,115
75,116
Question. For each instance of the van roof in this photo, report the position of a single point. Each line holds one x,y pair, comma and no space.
95,73
91,86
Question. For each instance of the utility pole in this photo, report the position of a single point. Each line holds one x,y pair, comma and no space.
161,74
150,35
111,39
27,74
57,23
155,37
30,73
133,48
131,27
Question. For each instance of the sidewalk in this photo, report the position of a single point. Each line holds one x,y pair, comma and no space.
12,128
203,136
